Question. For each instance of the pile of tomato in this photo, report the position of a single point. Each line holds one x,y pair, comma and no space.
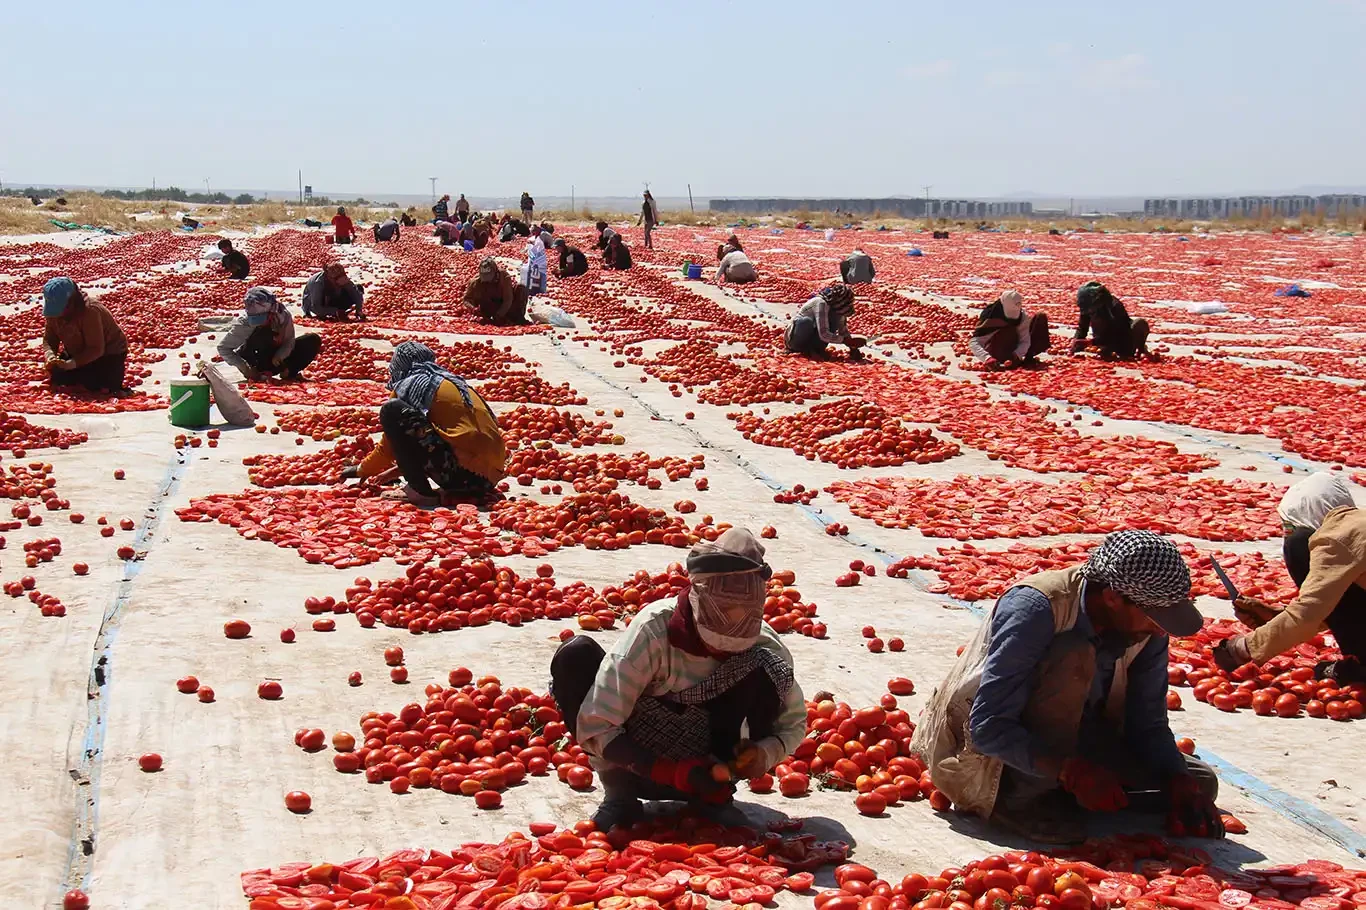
680,864
341,393
471,737
326,424
1136,872
526,425
971,573
528,388
983,507
1284,686
865,751
325,467
17,435
882,442
530,465
596,521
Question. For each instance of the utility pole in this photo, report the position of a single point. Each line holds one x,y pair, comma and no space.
571,198
692,207
301,186
207,191
928,220
433,180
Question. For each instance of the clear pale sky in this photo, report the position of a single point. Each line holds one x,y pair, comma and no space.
745,98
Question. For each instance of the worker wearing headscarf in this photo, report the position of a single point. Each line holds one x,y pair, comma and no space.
660,711
1100,314
1059,702
435,428
573,262
494,296
617,255
605,234
824,320
732,243
82,344
649,216
261,342
857,268
1325,552
535,269
331,294
1005,336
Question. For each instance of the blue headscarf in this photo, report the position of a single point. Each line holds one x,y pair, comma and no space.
415,376
56,295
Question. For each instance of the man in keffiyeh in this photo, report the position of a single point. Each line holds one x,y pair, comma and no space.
435,428
1325,553
660,715
1059,703
1005,336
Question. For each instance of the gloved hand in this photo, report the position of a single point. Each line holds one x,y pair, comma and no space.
1231,653
1095,787
1192,814
748,761
693,776
350,472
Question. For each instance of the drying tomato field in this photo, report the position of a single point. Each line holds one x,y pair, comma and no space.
234,680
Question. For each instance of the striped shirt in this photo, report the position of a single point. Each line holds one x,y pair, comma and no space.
642,662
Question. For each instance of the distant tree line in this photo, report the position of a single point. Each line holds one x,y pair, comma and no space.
176,194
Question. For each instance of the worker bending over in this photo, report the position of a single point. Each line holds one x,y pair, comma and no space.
234,262
660,715
1059,702
1006,336
82,344
261,342
1325,553
1104,317
857,268
822,321
332,295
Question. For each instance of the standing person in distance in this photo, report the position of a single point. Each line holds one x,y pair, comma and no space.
442,210
342,224
528,206
462,209
649,216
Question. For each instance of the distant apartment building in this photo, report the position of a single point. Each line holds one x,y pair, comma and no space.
1331,206
904,207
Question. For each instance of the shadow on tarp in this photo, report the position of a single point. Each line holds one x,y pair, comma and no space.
1229,853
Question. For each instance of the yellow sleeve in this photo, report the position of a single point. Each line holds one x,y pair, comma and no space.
380,459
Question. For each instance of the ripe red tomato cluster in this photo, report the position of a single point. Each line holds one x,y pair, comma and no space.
678,864
972,507
17,435
528,388
785,611
597,521
469,737
1281,687
341,393
973,574
1136,872
866,751
325,467
592,468
327,424
883,441
524,424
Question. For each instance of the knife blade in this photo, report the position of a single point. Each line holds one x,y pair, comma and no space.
1223,577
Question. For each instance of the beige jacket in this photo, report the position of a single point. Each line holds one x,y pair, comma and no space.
966,776
1337,560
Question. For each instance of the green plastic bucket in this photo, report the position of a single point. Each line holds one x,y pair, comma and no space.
189,402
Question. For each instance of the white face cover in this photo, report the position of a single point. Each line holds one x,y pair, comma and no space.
728,609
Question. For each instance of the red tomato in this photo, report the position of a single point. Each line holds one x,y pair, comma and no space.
870,803
298,801
236,628
150,762
75,899
794,784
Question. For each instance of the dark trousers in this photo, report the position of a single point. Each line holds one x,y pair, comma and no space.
259,351
803,338
1347,622
1053,716
421,453
1128,345
753,702
1001,343
102,375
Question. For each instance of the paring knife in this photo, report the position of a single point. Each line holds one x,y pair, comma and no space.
1223,577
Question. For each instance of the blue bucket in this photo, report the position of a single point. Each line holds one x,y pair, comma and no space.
694,270
469,246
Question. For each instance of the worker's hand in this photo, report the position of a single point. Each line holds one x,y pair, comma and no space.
1252,612
1078,345
693,776
748,762
1231,653
857,341
350,472
1191,813
56,363
1095,787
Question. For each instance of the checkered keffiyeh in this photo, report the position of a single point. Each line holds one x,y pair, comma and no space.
1143,566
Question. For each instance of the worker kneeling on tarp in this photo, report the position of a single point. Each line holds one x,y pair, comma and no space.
661,713
1060,700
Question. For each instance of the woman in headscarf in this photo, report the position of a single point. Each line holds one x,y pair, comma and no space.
824,320
660,714
1101,315
617,255
261,342
1005,337
1325,552
435,428
649,216
493,295
731,245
